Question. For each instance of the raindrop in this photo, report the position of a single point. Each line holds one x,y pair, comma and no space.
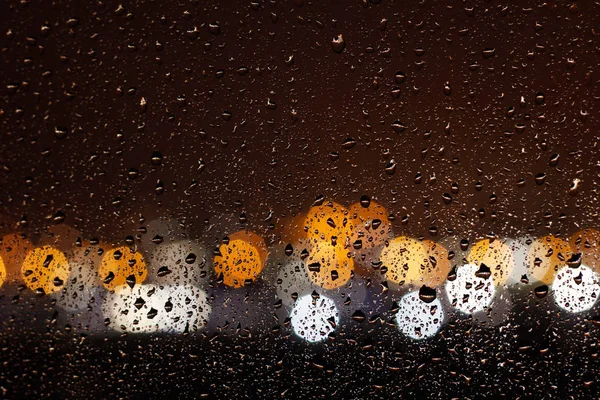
427,294
489,52
338,44
365,201
541,291
540,178
398,126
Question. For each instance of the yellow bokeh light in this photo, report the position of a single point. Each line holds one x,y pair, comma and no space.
241,259
254,240
587,242
546,256
329,266
497,256
13,250
438,265
329,222
122,265
371,224
2,272
405,259
45,269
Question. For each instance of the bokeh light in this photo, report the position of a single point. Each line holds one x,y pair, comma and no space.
313,319
576,289
405,260
45,269
291,276
496,255
13,250
587,242
371,225
418,319
520,249
472,290
329,222
2,272
179,263
84,281
437,265
546,256
122,265
152,308
329,266
241,259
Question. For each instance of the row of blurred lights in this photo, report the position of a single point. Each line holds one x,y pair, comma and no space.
319,256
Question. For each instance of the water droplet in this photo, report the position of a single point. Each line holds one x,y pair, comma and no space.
540,178
399,77
390,168
156,158
359,316
575,260
541,291
398,126
365,201
447,89
338,44
349,143
483,272
489,52
540,98
427,294
214,28
60,132
289,250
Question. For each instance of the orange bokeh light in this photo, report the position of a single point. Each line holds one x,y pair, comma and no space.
329,222
329,266
13,250
497,256
120,265
371,224
2,272
405,259
45,269
438,265
587,242
241,259
546,256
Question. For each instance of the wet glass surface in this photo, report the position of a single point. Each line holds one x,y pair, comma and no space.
299,199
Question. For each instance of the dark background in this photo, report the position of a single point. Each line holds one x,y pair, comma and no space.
73,127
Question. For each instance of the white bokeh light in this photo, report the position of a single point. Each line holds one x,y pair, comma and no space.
311,318
576,289
83,284
179,263
520,249
152,308
418,319
468,292
292,278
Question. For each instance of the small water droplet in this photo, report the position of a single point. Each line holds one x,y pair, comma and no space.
541,291
427,294
338,44
540,178
365,201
